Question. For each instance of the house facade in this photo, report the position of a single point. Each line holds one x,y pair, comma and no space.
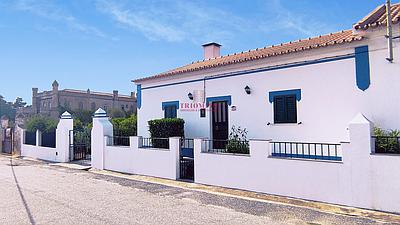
306,90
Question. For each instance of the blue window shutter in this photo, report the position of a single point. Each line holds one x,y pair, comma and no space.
170,109
285,109
363,79
139,96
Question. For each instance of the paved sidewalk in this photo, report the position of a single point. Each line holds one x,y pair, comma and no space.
33,192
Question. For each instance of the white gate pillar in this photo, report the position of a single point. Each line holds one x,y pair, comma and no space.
358,158
101,127
64,127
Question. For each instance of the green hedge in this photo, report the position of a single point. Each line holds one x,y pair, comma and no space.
125,126
165,128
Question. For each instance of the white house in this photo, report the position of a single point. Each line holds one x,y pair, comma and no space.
305,90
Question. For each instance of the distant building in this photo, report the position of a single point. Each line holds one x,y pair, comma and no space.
49,102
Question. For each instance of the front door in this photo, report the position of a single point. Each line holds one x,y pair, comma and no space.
220,126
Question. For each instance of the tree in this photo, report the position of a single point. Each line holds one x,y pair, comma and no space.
42,123
125,126
6,108
19,103
117,113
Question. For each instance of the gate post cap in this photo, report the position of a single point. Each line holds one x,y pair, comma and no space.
66,115
100,113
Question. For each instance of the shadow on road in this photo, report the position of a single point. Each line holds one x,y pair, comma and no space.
28,211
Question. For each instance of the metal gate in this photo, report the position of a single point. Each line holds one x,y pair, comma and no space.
8,140
80,144
186,165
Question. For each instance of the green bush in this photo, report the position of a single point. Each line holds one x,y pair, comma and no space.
238,142
125,126
386,141
165,128
42,123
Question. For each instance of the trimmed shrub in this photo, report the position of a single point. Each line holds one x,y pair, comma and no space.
168,127
42,123
165,128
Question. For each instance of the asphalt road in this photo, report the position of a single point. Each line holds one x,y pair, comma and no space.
37,193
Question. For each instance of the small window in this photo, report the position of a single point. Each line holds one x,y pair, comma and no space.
81,105
170,111
122,107
93,106
285,109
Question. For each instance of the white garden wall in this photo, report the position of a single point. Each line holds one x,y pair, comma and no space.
132,159
61,152
362,179
144,161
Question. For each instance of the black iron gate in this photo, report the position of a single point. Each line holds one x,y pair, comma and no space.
186,165
80,144
7,141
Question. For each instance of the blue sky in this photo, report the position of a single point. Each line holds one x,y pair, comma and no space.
104,44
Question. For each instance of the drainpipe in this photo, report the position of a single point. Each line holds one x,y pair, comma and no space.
389,35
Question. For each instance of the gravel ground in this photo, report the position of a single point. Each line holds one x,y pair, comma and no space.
37,193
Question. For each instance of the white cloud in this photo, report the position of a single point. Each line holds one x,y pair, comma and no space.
286,19
48,10
175,20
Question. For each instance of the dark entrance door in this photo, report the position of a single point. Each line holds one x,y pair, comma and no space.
7,142
80,144
220,126
186,159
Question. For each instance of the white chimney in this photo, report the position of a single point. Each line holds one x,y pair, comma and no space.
211,50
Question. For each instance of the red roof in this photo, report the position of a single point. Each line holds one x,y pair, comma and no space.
378,17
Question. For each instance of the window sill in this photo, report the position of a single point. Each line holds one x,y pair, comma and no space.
284,124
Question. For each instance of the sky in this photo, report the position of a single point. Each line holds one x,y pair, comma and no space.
104,44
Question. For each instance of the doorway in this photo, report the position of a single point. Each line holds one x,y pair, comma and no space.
220,124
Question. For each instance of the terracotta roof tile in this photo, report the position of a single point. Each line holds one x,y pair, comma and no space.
346,36
378,17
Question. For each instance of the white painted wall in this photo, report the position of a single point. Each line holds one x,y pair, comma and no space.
153,162
361,180
58,154
132,159
330,97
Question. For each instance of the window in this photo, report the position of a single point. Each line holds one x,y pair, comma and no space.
170,111
285,109
81,105
93,106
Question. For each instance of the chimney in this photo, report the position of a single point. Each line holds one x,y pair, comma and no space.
115,94
133,95
211,50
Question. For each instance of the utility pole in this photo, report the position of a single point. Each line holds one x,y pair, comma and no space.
389,35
